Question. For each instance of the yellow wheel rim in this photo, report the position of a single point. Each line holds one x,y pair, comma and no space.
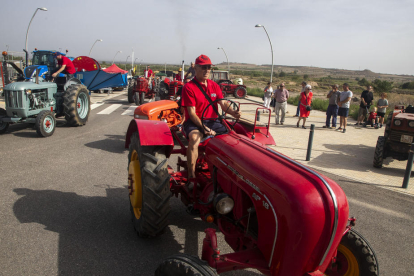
353,267
135,184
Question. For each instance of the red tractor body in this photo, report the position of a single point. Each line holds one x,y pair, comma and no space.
227,86
279,216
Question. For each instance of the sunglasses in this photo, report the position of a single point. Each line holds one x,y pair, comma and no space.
205,67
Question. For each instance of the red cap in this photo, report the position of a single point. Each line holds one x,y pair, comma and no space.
203,60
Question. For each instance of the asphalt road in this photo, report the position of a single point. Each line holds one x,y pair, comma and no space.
64,207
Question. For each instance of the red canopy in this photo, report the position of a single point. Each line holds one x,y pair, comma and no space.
114,69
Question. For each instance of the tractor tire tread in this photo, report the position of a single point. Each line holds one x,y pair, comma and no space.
69,105
184,264
155,189
379,152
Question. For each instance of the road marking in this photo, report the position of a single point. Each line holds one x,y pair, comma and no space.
129,111
110,109
379,209
95,105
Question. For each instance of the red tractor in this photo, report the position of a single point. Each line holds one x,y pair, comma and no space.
398,136
279,216
149,88
238,90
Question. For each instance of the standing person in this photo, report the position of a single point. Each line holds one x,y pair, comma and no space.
268,91
149,72
190,73
305,105
194,103
66,66
302,90
332,110
281,96
382,105
366,99
178,75
344,103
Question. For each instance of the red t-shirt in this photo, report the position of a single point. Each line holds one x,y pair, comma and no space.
70,68
192,96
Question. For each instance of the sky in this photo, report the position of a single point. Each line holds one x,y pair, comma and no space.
346,34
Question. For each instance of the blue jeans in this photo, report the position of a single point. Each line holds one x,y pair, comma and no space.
298,109
332,111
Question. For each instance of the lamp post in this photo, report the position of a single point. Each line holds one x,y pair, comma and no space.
94,45
271,47
115,56
27,33
228,66
126,61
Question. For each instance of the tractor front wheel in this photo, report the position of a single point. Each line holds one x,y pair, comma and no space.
379,152
355,257
240,93
149,190
183,264
45,123
131,92
76,104
3,125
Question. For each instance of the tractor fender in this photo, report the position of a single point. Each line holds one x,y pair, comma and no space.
150,133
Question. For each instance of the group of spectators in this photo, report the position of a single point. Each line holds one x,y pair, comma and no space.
339,103
280,97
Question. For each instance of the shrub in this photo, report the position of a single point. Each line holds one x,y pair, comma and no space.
305,77
364,82
408,85
382,86
282,74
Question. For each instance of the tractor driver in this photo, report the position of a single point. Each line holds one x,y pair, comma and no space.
191,72
66,66
195,102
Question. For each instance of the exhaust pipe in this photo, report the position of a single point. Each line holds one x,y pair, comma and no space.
182,71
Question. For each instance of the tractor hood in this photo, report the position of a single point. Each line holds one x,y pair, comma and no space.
149,110
18,86
406,116
30,71
301,214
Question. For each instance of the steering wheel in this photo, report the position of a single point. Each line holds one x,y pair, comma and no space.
221,116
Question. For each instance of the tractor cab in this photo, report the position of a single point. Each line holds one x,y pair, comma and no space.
43,64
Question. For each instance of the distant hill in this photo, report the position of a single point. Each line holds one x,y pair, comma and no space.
320,72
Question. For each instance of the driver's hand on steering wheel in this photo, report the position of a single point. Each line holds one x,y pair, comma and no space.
237,114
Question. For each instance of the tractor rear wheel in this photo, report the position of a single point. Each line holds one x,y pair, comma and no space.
379,152
355,257
183,264
149,190
131,92
3,125
76,105
45,123
240,93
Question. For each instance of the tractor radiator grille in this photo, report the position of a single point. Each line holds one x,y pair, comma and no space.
173,89
13,99
396,135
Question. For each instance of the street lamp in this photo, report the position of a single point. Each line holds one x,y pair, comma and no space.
228,66
126,61
27,33
271,47
94,45
115,56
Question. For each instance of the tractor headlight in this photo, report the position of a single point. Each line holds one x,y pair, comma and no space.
223,203
411,124
397,122
28,91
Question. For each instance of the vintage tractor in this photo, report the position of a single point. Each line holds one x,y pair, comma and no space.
238,90
279,216
40,102
398,136
149,88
